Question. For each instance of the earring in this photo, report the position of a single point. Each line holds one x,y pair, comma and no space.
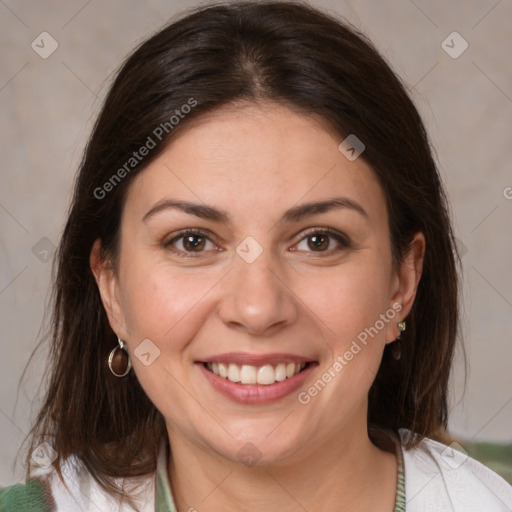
396,349
119,360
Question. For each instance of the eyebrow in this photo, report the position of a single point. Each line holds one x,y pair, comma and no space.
294,214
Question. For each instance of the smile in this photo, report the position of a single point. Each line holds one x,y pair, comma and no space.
263,375
256,379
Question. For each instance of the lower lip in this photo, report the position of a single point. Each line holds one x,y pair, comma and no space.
254,393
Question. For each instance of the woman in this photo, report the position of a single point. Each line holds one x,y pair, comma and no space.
257,286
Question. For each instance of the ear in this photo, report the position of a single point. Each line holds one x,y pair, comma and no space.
405,285
108,286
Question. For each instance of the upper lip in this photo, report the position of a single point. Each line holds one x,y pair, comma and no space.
242,358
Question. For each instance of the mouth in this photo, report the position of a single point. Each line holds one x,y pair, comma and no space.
250,379
264,375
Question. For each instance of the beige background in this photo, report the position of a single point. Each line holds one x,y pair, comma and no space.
48,106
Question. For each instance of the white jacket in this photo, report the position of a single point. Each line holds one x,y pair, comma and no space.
441,479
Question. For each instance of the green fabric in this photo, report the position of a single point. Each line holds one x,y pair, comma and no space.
400,486
164,501
33,496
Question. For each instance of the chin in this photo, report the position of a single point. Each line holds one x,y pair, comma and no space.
260,450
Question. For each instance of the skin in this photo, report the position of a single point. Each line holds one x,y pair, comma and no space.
255,163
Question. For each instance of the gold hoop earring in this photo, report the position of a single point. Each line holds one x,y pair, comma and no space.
119,360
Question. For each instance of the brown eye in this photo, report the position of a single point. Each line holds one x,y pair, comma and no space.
323,240
320,242
193,243
189,242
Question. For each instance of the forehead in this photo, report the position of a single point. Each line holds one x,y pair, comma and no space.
255,160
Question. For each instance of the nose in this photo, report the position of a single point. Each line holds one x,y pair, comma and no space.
258,300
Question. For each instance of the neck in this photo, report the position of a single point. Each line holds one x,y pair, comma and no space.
348,473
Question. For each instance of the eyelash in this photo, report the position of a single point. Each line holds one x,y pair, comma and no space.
343,240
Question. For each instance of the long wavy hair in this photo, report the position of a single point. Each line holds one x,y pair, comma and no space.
214,56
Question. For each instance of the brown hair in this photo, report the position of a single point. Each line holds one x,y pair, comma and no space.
215,56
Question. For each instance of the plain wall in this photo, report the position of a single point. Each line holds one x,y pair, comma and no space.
49,105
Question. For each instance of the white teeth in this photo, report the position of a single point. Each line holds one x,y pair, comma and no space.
280,372
266,375
234,373
263,375
247,374
223,370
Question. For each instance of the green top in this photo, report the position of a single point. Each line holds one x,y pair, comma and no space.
36,496
400,485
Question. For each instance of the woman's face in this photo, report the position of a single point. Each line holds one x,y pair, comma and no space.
260,288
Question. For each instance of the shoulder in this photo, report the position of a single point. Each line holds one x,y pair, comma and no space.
46,492
438,477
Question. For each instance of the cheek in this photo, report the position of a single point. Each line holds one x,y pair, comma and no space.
349,298
167,307
158,301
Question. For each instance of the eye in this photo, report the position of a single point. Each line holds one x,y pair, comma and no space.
189,241
321,240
